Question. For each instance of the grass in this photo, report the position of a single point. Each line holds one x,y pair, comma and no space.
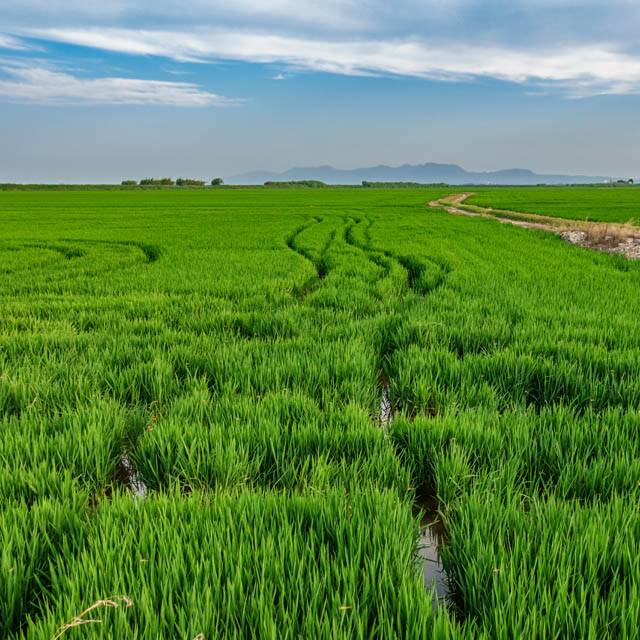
231,344
599,204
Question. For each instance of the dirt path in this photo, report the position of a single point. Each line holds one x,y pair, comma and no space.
622,239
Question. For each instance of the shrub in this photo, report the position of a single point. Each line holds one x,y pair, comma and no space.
188,182
154,182
401,185
295,183
216,182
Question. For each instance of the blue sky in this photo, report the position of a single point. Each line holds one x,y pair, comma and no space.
101,91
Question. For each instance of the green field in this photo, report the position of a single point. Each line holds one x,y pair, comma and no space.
233,347
595,203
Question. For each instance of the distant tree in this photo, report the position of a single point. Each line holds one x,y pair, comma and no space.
401,185
216,182
129,183
188,182
155,182
313,184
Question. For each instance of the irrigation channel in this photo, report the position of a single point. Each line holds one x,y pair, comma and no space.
130,478
426,507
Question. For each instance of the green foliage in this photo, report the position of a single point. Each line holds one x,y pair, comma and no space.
129,183
313,184
601,203
401,185
156,182
216,182
247,565
188,182
227,347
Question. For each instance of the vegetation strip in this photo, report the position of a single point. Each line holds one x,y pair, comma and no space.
615,238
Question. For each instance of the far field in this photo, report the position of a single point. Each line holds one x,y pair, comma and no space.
191,434
599,204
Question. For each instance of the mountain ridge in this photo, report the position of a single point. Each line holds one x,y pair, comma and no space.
428,172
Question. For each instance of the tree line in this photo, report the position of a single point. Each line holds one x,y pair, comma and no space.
170,182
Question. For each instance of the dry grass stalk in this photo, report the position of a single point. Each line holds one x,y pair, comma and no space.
610,235
112,601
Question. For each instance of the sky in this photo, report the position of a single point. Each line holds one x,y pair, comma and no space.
105,91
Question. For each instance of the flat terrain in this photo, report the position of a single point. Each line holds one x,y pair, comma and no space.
191,435
599,204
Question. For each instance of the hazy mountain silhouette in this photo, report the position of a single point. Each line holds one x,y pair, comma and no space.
427,173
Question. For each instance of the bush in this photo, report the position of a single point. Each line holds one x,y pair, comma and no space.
129,183
188,182
154,182
216,182
296,183
402,185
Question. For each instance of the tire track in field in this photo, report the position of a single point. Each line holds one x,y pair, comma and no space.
377,257
151,252
67,252
15,246
74,248
432,532
414,267
301,291
323,267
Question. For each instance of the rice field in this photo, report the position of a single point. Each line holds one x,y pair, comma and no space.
593,203
230,414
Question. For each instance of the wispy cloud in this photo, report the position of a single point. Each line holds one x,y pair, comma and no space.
337,15
40,85
545,45
9,42
578,71
576,21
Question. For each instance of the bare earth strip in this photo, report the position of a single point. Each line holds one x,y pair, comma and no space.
623,239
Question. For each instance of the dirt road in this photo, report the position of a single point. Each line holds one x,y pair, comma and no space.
623,239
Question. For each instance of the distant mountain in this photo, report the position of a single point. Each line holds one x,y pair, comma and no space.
426,173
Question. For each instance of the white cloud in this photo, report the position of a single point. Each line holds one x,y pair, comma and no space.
544,44
9,42
44,86
579,71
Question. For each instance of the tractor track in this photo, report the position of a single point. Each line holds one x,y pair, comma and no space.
414,268
301,291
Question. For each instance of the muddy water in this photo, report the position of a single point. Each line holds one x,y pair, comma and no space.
431,537
386,408
429,547
131,479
